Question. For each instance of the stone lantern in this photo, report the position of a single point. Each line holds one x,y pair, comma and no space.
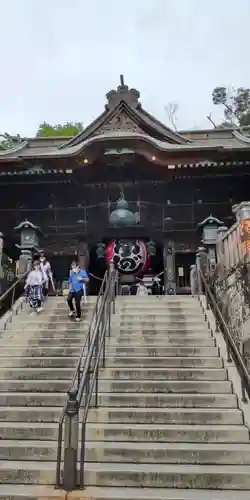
209,235
29,235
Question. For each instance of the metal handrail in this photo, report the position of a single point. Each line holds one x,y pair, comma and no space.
232,348
12,287
11,292
84,383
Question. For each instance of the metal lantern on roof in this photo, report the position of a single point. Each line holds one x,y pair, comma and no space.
122,216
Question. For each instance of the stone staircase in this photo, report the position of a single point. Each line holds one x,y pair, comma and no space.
38,356
168,426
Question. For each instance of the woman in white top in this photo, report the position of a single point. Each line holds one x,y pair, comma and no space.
47,273
34,286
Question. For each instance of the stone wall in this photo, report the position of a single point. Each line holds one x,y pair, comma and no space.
233,296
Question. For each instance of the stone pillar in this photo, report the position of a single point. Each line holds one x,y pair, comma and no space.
169,268
220,250
83,254
1,256
201,265
193,279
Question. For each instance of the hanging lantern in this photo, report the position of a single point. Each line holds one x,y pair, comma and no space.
100,249
122,216
151,248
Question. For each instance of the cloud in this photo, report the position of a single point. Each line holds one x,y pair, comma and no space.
58,59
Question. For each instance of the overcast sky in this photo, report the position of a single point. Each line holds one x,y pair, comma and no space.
60,57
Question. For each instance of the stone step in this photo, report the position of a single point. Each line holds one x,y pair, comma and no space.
159,325
49,334
65,341
162,311
152,343
167,318
134,452
117,342
142,386
52,351
115,363
40,374
171,351
67,324
124,400
42,362
198,319
147,350
152,329
41,492
117,493
157,373
42,351
130,432
136,301
122,373
32,399
159,305
30,386
167,400
126,386
137,475
166,362
187,416
32,492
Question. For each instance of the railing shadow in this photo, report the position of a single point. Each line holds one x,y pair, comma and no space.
233,351
84,388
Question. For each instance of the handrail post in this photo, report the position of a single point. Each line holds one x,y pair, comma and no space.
71,430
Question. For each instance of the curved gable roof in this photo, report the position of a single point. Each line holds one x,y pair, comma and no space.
124,102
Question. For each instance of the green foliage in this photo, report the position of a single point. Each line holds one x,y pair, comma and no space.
236,105
7,141
67,129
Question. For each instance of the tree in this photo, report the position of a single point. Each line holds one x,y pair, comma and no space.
67,129
236,104
8,141
171,109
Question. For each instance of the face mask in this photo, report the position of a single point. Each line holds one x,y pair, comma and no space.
75,269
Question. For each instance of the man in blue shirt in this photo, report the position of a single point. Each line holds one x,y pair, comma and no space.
77,281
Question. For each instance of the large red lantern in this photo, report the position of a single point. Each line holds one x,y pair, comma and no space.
128,256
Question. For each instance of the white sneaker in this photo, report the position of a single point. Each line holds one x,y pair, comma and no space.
71,313
78,320
39,309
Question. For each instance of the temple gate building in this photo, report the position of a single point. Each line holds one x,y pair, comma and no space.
165,183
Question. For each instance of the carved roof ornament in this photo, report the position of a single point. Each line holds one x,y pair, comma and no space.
119,122
123,93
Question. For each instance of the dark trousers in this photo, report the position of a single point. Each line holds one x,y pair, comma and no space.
77,296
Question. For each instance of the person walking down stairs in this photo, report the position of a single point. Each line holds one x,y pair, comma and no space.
77,280
34,287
